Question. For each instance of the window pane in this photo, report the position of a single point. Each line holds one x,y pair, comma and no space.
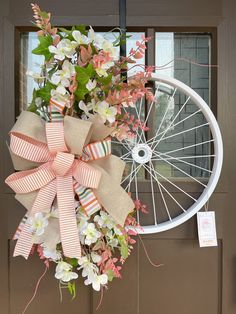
180,47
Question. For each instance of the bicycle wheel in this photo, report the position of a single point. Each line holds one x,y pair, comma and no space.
174,167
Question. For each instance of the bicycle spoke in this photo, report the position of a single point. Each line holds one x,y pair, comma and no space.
174,125
166,111
153,200
176,116
176,186
186,147
172,197
185,162
184,157
185,131
181,170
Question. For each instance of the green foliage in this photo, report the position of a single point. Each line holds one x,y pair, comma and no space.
32,107
110,274
72,289
121,39
73,262
44,15
81,92
68,32
42,49
84,74
105,80
45,92
81,28
124,250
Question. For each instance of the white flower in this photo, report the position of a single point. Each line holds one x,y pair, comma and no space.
87,266
102,70
65,48
91,234
107,46
96,281
64,75
82,219
60,94
112,241
80,38
91,85
97,39
104,220
96,258
51,254
61,90
38,78
117,230
107,113
38,101
86,108
64,272
37,223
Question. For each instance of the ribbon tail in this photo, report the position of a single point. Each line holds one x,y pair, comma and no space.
67,217
24,243
87,199
42,202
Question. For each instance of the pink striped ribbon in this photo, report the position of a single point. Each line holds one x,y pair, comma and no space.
55,178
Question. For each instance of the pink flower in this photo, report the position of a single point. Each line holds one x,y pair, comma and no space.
101,58
140,206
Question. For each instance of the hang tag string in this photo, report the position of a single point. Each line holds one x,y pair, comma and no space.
206,206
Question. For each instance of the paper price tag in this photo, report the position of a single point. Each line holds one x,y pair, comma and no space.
206,229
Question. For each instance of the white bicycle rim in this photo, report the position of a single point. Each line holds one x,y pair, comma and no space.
147,148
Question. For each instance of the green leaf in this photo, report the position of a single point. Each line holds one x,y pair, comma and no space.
81,92
81,28
32,108
44,15
124,251
65,30
66,33
45,92
105,80
72,289
73,262
110,274
84,74
42,49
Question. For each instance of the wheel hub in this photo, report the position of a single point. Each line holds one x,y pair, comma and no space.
142,153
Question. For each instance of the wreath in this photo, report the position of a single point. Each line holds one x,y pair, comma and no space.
78,217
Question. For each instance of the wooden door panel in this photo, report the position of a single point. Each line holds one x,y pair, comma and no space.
23,278
188,282
122,295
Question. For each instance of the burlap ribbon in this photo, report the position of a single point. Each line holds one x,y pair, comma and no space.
59,159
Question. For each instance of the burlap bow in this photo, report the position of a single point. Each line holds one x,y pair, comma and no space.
60,159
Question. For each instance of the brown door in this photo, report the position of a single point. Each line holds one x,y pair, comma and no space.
192,280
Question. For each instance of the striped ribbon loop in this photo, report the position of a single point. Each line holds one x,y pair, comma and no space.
97,150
